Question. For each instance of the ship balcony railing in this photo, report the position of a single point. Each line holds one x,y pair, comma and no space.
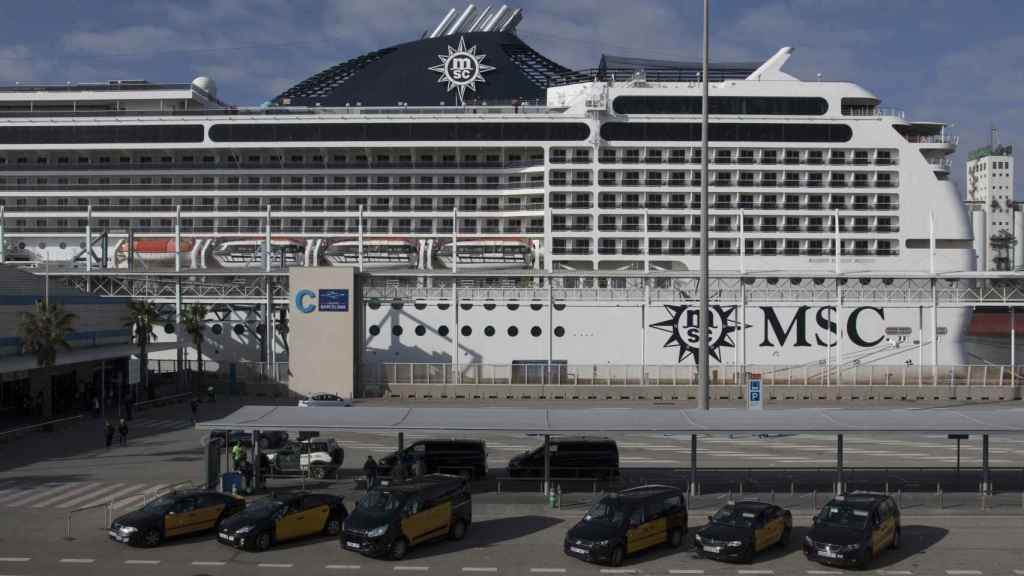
861,184
654,182
632,251
653,160
571,228
606,181
723,160
768,183
561,251
630,182
837,161
885,161
607,250
769,228
723,228
861,161
944,163
838,183
745,160
721,182
630,160
534,229
580,160
885,184
558,182
607,160
790,205
581,181
791,161
814,228
569,205
769,161
744,182
814,183
791,183
723,251
815,161
490,230
722,205
238,187
423,230
677,182
932,139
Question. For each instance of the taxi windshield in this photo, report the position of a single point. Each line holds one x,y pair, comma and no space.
262,509
730,516
161,504
840,514
608,511
379,502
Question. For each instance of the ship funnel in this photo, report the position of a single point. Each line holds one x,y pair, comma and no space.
475,27
443,25
490,26
462,19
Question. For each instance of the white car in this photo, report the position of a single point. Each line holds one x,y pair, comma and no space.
324,399
320,457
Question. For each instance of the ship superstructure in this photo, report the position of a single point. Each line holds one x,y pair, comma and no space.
467,150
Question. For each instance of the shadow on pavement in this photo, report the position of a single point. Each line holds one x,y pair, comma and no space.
916,539
486,533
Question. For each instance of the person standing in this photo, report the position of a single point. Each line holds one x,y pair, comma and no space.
95,406
195,408
370,470
108,431
237,453
122,431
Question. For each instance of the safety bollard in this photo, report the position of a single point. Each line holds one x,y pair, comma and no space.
730,495
886,486
792,488
772,496
499,487
741,488
940,497
814,500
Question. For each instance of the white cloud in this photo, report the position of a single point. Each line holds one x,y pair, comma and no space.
129,41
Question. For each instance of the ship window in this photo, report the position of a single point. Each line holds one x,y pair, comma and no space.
489,331
466,331
396,330
726,132
442,330
763,106
421,330
100,134
535,331
512,331
391,132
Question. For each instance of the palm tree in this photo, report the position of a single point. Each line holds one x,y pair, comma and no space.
142,318
44,330
194,322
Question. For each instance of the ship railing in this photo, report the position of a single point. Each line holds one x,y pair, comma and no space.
541,373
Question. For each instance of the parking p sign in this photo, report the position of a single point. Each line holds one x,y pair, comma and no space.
754,392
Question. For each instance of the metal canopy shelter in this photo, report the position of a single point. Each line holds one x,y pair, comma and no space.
552,422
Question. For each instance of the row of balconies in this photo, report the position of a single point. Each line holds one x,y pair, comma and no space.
261,208
730,205
240,187
135,167
792,158
306,228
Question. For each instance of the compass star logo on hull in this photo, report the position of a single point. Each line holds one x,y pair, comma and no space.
461,68
684,329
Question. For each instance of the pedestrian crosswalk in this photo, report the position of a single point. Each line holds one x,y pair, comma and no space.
67,496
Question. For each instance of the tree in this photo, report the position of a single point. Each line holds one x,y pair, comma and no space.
44,330
193,320
142,318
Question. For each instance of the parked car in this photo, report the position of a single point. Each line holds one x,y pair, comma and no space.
280,519
454,456
324,399
570,456
852,530
269,440
628,522
740,530
388,520
173,515
320,457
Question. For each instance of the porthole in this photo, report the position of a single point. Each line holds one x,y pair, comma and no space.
865,281
560,306
535,307
21,245
42,245
773,281
63,245
442,330
819,281
535,331
396,305
217,329
559,331
374,330
396,330
513,331
374,305
168,328
443,306
490,306
489,331
238,329
421,330
81,245
794,281
466,306
421,305
466,331
513,307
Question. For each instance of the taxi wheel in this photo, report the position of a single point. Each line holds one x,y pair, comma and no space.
333,526
618,554
398,549
896,537
458,530
152,537
262,542
784,539
317,472
675,538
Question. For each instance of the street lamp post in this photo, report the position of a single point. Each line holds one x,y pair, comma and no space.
704,393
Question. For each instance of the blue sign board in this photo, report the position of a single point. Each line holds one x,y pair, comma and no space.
333,300
754,393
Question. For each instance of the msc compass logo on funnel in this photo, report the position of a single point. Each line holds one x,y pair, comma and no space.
684,330
461,68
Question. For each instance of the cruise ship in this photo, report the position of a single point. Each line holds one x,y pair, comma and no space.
468,151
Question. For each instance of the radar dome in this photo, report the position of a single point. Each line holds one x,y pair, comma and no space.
206,84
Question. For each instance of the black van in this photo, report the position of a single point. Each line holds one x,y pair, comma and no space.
627,522
390,519
570,456
453,456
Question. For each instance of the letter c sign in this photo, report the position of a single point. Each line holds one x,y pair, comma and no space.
300,300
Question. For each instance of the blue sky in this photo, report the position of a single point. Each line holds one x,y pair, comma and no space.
957,61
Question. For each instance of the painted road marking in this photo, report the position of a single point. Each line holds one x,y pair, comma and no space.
682,571
205,563
823,572
895,572
479,569
146,562
77,560
15,559
963,572
107,489
548,570
342,567
271,565
114,495
756,571
152,492
412,568
617,571
71,492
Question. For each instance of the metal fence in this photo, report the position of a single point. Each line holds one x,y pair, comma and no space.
682,375
227,378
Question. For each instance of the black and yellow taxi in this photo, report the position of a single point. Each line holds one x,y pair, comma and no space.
175,514
739,530
388,520
853,529
281,518
627,522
